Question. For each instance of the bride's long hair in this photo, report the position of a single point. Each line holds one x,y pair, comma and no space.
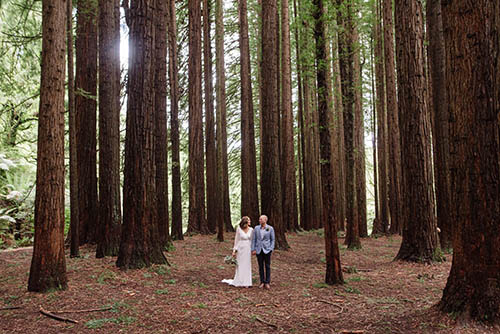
244,221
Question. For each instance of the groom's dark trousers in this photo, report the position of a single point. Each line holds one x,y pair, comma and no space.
264,261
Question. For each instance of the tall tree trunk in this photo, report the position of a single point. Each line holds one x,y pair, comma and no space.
210,150
197,222
472,49
48,264
289,184
249,192
140,244
382,225
223,208
346,57
86,107
419,230
74,229
439,103
270,183
108,241
160,110
359,140
300,119
312,193
395,176
339,161
332,253
174,123
374,136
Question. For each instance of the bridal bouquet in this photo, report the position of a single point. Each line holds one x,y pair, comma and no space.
230,260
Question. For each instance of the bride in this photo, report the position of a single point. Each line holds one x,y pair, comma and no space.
242,243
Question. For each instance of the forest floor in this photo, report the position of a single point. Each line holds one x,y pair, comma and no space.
379,295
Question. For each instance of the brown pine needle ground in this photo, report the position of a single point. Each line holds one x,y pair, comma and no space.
379,296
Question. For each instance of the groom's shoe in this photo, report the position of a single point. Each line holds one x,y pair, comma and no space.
267,286
261,285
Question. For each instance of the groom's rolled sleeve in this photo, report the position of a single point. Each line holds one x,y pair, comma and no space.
272,239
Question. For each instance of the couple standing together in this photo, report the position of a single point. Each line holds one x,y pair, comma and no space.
248,241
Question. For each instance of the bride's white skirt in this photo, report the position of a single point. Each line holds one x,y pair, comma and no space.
243,274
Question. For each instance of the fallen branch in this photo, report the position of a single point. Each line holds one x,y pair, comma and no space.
53,316
330,303
83,311
10,308
258,305
352,332
267,323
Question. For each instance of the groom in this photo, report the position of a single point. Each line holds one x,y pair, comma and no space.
263,246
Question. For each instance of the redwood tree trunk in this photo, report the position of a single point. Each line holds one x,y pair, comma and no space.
300,120
393,126
346,57
270,183
108,241
140,244
74,230
249,193
332,254
359,142
472,50
382,225
210,150
160,110
174,123
48,264
86,107
223,208
197,222
419,230
439,103
289,183
339,161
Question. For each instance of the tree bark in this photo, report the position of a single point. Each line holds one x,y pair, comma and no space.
393,124
339,160
197,222
210,149
419,230
289,184
86,107
332,253
270,183
374,136
249,192
174,122
346,57
140,244
382,225
471,31
108,241
439,103
223,208
48,264
160,110
74,229
359,140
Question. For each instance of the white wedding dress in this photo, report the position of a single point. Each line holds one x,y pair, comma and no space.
242,243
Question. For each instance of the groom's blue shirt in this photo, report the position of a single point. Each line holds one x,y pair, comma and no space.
263,239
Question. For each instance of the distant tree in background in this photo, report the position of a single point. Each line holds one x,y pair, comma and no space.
173,70
140,244
110,218
86,118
